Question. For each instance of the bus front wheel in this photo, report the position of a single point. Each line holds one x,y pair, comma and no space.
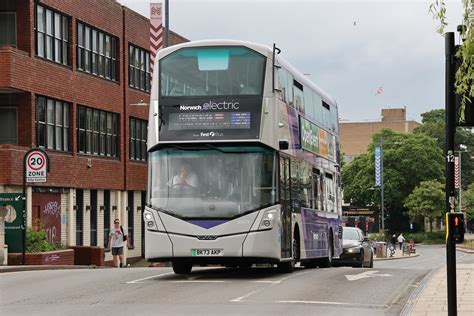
182,267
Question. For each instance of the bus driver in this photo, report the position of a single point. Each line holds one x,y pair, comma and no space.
185,178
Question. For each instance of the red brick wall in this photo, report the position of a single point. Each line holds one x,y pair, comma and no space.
22,71
60,257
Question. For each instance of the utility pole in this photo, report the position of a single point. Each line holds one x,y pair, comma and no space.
167,23
450,108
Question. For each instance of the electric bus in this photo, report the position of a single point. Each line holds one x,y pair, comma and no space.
243,161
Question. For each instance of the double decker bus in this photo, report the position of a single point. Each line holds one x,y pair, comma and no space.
242,161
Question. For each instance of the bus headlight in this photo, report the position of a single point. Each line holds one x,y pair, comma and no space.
268,220
149,220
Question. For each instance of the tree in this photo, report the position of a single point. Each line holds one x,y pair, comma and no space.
469,199
465,74
433,126
426,200
408,160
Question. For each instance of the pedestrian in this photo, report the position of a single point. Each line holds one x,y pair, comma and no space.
393,240
118,235
401,240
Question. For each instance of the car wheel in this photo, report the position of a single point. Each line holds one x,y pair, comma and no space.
360,264
371,264
181,267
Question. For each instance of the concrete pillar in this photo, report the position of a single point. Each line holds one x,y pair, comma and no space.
70,231
29,207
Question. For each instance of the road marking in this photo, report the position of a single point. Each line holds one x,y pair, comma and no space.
271,284
332,303
150,277
366,274
200,281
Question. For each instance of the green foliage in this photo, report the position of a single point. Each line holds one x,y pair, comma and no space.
433,126
37,241
408,160
426,200
427,237
469,199
465,75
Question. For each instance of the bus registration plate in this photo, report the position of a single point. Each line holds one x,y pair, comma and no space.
207,252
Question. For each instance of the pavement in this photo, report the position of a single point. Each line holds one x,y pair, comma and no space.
384,290
4,269
432,299
398,255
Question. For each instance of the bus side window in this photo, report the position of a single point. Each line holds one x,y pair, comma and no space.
316,188
298,92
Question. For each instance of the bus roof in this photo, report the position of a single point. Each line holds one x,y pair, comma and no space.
262,49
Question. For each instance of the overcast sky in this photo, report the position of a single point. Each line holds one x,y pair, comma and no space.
393,44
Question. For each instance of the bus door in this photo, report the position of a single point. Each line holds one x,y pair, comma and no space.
285,198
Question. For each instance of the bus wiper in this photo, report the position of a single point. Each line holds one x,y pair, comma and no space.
228,151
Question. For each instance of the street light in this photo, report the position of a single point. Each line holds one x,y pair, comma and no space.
381,186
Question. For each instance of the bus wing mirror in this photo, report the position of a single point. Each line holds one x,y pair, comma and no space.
283,144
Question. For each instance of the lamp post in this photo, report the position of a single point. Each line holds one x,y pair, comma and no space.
381,185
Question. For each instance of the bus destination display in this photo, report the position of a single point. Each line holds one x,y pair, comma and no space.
209,120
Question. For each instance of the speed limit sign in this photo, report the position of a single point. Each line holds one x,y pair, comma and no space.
36,166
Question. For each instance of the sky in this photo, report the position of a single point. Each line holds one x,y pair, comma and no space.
349,48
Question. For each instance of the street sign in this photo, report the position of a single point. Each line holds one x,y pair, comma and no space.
36,166
456,172
378,180
13,204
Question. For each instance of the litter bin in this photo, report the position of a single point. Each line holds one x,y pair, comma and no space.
381,250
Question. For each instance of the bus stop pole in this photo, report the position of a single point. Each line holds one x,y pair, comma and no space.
449,172
23,233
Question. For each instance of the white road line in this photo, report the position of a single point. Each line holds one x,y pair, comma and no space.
271,283
330,303
150,277
239,299
199,281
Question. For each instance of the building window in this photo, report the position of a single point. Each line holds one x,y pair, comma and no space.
8,22
138,136
52,123
52,35
97,132
139,68
97,52
8,125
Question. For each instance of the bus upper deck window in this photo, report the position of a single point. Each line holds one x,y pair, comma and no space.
213,59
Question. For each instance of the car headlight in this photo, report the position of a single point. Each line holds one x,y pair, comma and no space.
353,250
268,220
149,220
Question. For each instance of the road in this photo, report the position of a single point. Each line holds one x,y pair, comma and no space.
219,291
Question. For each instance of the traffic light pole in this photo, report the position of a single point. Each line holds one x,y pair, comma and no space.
449,151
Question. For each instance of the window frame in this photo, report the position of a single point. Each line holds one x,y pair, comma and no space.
64,129
102,57
63,39
143,84
87,130
137,139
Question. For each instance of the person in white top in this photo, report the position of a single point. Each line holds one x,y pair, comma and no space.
185,178
400,240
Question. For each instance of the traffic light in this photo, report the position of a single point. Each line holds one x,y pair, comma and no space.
455,226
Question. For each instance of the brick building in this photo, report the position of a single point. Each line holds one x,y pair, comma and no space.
72,75
356,136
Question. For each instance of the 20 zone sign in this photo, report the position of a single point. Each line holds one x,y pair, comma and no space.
36,167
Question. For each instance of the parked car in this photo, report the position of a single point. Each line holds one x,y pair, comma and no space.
357,250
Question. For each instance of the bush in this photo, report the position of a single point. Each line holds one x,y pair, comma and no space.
37,240
427,237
